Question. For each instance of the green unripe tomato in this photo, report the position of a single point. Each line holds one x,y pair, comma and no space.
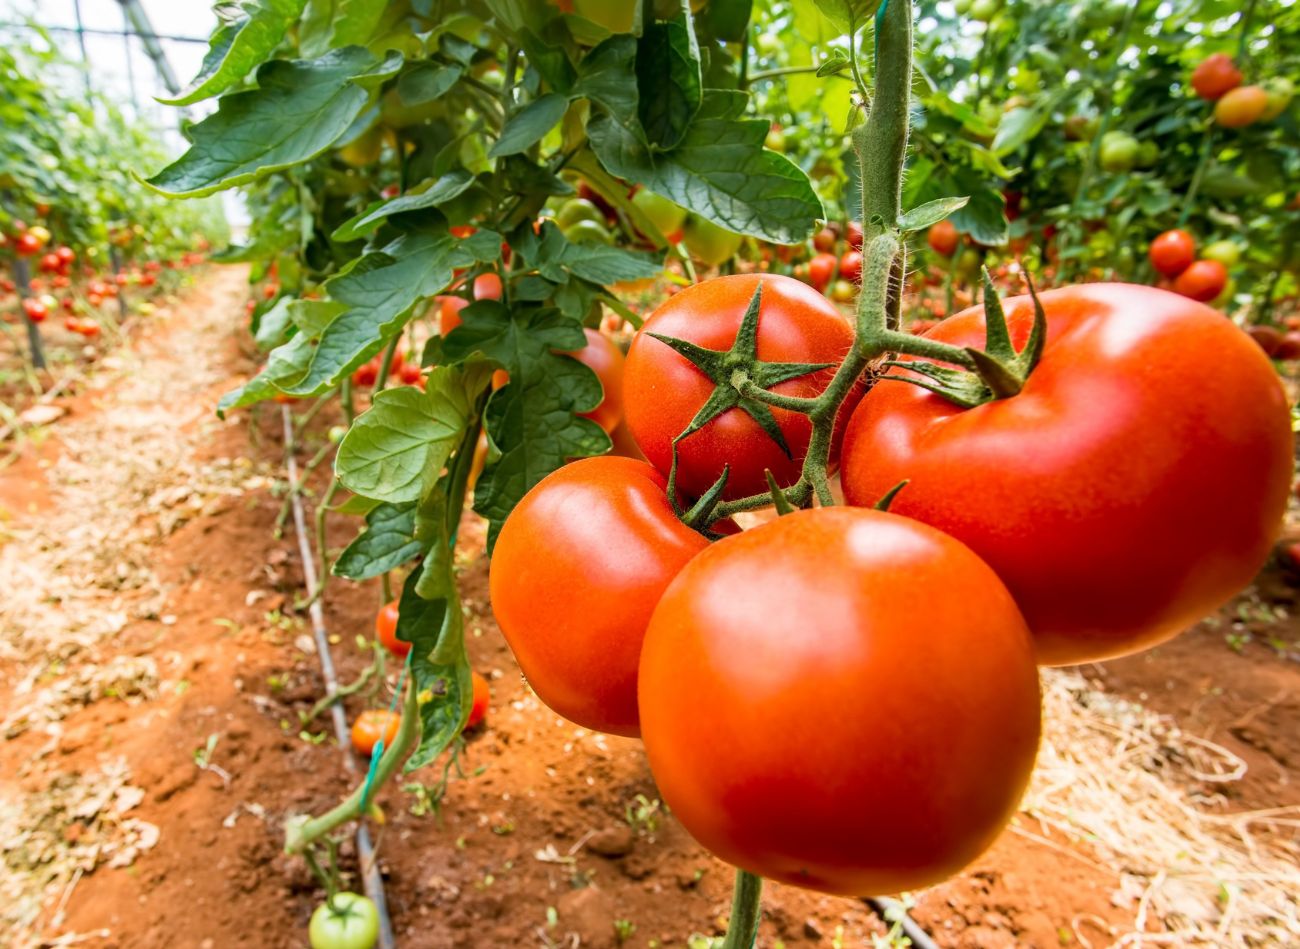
1028,81
968,265
1119,151
663,214
1225,252
708,242
985,10
336,433
1279,91
400,115
351,921
962,7
578,209
769,44
775,140
365,148
1147,155
588,232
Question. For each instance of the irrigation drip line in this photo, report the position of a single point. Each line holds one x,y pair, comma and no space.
373,882
890,910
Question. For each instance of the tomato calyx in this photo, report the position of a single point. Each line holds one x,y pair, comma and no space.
997,371
734,372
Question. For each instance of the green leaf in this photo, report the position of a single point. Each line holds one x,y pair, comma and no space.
274,324
526,127
299,110
385,543
726,19
932,212
449,186
553,255
354,21
439,669
238,47
532,420
848,14
607,75
721,171
669,81
380,292
427,82
395,450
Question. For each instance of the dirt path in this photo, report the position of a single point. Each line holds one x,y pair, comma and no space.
147,629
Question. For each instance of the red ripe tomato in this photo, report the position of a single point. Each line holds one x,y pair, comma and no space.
576,572
65,254
148,280
36,310
27,244
1215,75
482,698
851,266
943,238
449,308
50,263
487,286
70,323
820,271
88,328
386,630
1240,107
824,240
1132,486
853,234
94,299
606,360
366,374
389,192
1203,280
372,725
1268,338
411,374
662,391
846,616
1289,347
1172,252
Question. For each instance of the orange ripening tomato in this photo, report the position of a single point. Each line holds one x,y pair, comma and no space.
1240,107
663,391
487,286
372,725
449,308
576,572
943,238
482,698
386,630
1215,75
1172,252
1133,485
847,616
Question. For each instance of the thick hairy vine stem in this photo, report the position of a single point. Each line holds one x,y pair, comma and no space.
746,908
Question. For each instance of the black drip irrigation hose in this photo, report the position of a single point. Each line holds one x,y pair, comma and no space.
891,910
371,878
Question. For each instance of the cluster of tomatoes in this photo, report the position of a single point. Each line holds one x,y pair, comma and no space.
836,264
847,699
1217,79
1205,279
374,725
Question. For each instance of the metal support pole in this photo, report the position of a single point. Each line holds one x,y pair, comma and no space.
22,277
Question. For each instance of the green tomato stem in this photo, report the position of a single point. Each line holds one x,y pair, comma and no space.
300,834
746,909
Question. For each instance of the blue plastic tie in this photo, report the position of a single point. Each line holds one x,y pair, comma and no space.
378,751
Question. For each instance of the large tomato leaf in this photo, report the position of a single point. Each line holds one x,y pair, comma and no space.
385,543
238,47
532,420
721,171
670,85
526,127
394,451
306,104
430,195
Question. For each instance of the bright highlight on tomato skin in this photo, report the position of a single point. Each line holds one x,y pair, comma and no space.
863,717
1134,485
